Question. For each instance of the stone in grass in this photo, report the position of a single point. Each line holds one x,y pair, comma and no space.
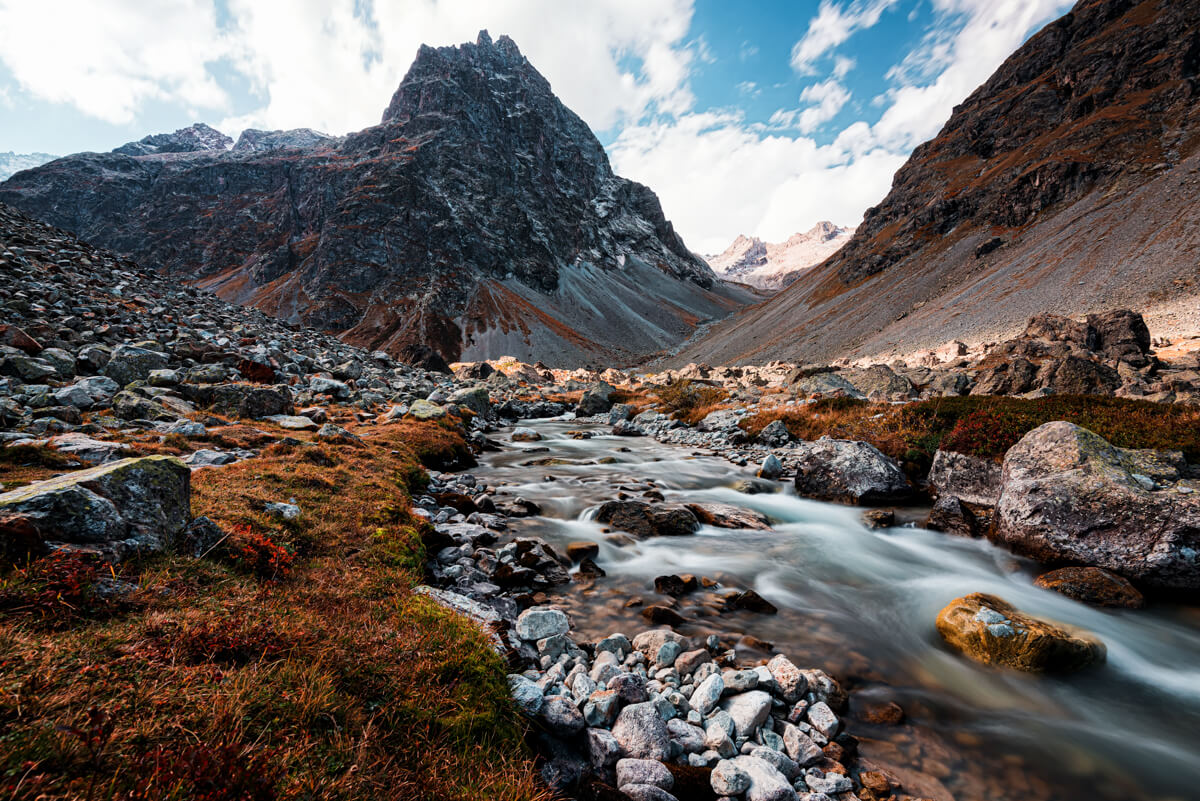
991,631
526,693
133,505
541,622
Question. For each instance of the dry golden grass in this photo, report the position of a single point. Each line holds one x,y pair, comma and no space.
690,401
213,683
984,426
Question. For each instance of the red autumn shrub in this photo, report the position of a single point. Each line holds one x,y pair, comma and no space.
259,554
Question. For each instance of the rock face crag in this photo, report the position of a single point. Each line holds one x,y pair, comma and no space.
480,217
1065,183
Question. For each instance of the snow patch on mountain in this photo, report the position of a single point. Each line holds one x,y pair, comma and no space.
772,266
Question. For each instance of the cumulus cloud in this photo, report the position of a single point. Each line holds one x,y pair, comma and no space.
333,64
719,176
110,59
824,101
832,26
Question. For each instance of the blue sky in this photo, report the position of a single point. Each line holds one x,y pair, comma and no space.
746,117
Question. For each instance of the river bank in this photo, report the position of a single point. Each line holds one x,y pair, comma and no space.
860,603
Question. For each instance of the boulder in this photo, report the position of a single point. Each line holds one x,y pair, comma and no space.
991,631
648,520
476,399
827,384
250,401
129,363
1067,495
541,622
724,515
1013,377
525,435
1075,375
129,506
749,711
969,478
644,771
757,778
642,733
847,471
595,400
1092,585
880,382
1121,335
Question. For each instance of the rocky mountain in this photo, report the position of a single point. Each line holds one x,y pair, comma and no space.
768,266
480,217
196,138
1065,184
12,163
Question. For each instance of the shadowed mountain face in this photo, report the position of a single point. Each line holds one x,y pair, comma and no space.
480,217
1066,183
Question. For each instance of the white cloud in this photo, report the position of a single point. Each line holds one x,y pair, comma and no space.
832,26
824,100
321,64
988,32
717,177
109,59
333,64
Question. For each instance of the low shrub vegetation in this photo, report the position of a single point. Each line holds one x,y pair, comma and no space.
985,426
318,674
690,401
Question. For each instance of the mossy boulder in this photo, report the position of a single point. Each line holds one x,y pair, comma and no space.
133,505
1068,495
992,631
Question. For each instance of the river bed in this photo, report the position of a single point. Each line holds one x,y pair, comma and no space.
861,604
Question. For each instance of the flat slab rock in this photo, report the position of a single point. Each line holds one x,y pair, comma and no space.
128,506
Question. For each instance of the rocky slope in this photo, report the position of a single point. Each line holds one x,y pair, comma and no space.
772,267
12,163
1063,184
480,217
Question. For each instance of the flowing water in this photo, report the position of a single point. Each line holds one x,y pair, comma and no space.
861,605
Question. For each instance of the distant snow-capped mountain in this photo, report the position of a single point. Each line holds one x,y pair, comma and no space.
11,163
769,266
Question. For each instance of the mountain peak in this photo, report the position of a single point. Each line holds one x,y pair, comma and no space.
442,76
195,138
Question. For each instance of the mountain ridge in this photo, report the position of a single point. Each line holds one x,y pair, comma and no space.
1061,185
470,219
772,266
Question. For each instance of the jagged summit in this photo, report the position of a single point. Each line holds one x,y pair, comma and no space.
481,218
195,138
772,267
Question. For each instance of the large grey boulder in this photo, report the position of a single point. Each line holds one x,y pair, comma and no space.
130,363
1068,495
649,520
847,471
757,778
973,479
595,400
129,506
642,733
